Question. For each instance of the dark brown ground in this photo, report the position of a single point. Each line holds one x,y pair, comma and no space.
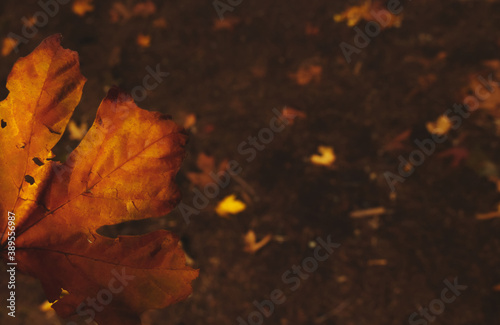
430,232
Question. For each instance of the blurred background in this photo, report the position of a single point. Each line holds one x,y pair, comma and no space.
375,150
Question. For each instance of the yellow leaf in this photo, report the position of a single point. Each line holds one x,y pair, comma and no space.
229,205
440,127
46,307
325,158
77,132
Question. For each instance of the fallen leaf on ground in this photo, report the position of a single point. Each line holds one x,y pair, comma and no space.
122,170
81,7
354,14
227,23
307,73
143,40
489,215
325,158
189,121
144,9
77,132
291,114
229,205
440,127
8,45
368,212
206,164
251,244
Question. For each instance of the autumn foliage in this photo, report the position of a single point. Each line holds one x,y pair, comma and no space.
122,170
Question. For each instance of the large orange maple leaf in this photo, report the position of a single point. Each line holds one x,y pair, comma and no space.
122,170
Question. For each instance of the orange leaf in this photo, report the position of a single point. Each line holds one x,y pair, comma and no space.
207,166
81,7
354,14
122,170
251,243
8,45
306,73
144,41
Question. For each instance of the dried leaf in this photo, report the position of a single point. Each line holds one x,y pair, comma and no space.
8,45
306,73
206,164
189,121
440,127
325,158
77,132
122,170
355,14
368,212
143,40
251,244
230,205
291,114
82,7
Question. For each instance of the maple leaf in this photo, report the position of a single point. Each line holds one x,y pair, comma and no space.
122,170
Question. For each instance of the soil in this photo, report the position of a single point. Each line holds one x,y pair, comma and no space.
388,265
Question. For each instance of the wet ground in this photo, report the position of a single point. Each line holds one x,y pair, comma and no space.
231,76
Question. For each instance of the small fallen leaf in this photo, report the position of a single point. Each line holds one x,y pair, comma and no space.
251,244
227,23
229,205
307,73
144,9
77,132
206,164
291,114
354,14
325,158
143,40
440,127
368,212
81,7
46,307
189,121
8,45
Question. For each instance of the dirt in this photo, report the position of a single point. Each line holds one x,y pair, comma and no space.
387,265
